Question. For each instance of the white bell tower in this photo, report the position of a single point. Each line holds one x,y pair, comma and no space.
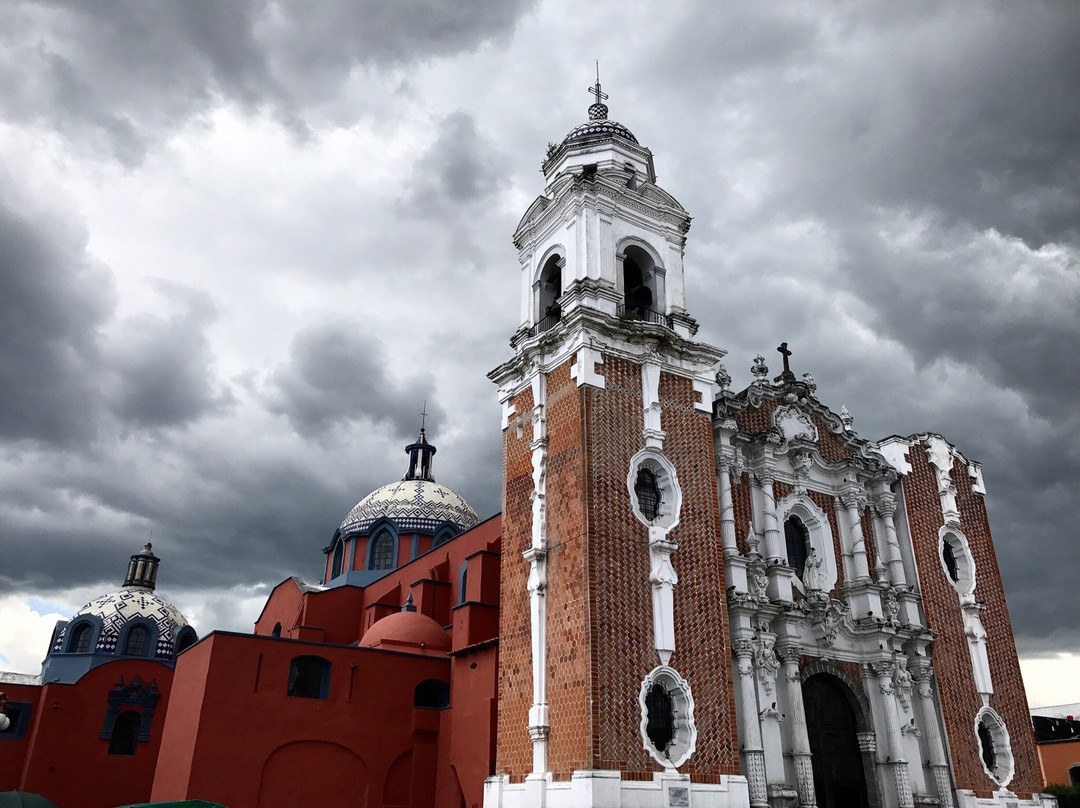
615,684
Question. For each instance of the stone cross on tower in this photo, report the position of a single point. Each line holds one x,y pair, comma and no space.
787,375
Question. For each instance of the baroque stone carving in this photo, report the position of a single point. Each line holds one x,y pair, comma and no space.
903,682
794,423
723,379
814,573
760,370
765,661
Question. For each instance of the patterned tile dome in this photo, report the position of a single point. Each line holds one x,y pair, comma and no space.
416,503
117,609
413,505
597,130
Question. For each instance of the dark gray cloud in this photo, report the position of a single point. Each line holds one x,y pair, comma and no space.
460,168
53,300
163,365
65,380
335,374
115,76
893,189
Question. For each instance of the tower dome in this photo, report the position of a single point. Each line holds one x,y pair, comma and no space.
396,523
133,621
414,503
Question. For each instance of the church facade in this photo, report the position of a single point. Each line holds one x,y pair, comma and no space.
693,596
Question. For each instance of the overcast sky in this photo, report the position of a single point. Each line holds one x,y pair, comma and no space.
241,243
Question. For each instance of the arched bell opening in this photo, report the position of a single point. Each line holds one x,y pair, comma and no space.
641,281
548,293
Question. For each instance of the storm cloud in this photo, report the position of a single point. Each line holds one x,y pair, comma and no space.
241,244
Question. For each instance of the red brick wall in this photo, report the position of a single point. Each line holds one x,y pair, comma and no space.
702,655
599,624
514,748
569,682
741,504
952,660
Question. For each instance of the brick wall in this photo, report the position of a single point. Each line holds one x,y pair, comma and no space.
960,702
599,624
514,747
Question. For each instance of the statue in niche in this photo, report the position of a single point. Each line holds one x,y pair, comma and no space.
814,573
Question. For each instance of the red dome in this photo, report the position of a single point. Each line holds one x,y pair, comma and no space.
407,631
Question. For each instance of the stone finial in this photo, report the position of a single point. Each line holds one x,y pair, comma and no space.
760,370
409,605
808,380
723,379
846,417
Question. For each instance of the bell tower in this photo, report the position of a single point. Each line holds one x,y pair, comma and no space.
615,682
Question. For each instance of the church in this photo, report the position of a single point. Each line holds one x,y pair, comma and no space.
693,595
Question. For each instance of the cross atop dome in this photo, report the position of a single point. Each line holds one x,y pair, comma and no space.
598,110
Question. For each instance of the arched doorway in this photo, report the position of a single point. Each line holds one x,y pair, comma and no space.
832,724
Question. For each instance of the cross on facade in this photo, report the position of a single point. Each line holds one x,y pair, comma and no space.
783,349
423,414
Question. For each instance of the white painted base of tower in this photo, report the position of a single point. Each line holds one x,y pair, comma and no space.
1003,799
606,789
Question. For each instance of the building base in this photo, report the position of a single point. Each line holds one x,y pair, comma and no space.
1003,799
607,789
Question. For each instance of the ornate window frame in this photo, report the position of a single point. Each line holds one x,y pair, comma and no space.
1004,764
965,563
684,742
667,481
819,531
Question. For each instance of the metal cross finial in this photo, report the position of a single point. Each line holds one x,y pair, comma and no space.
423,415
783,349
595,90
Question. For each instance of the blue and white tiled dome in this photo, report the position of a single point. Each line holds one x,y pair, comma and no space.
598,129
110,616
117,609
413,505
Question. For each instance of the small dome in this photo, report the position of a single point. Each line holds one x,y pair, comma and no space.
117,609
420,505
407,631
599,129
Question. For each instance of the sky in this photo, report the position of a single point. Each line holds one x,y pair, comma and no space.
242,243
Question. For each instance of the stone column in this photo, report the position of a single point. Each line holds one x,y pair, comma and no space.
885,505
724,462
753,753
536,555
852,500
922,672
800,740
774,548
883,671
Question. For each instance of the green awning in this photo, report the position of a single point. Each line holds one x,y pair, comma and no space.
177,804
24,799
